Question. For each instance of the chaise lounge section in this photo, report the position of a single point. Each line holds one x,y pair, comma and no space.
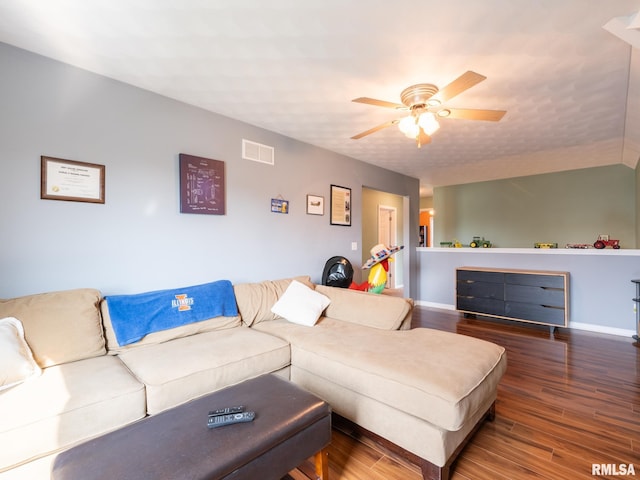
423,390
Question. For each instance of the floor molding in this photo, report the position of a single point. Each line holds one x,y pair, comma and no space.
589,327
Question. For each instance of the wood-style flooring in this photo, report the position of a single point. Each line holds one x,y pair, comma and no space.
568,400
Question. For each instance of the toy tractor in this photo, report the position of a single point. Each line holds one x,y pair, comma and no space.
477,242
604,241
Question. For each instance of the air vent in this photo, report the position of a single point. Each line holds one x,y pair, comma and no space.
257,152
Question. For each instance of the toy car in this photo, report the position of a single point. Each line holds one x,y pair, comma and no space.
604,241
545,245
477,242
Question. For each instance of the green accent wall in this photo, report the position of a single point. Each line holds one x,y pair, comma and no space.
566,207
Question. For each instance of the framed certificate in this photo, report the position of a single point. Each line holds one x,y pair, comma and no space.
70,180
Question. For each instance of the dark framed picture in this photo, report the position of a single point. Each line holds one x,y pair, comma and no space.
71,180
340,206
201,185
315,205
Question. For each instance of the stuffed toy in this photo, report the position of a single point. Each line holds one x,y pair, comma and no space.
378,264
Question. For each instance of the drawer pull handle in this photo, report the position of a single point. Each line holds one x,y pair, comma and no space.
551,306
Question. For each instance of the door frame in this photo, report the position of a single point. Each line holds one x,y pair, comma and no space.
393,240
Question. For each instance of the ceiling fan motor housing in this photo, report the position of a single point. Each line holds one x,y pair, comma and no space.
418,95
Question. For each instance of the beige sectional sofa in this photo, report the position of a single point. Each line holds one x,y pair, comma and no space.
423,390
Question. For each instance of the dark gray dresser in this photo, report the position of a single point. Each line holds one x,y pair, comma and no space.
540,297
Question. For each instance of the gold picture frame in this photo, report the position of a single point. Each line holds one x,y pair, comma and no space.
71,180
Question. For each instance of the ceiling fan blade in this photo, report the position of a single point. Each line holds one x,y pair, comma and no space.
459,85
374,129
471,114
422,138
379,103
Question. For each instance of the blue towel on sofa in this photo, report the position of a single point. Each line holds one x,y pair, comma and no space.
134,316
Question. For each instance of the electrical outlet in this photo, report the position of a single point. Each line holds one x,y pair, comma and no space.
354,246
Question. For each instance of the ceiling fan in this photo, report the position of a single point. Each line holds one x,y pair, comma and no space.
424,103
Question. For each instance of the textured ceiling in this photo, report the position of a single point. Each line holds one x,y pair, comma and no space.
570,86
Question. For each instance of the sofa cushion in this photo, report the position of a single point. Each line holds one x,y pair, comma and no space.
300,304
441,377
216,323
185,368
368,309
59,327
66,404
256,299
16,360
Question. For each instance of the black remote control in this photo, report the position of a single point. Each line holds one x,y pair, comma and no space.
222,420
226,411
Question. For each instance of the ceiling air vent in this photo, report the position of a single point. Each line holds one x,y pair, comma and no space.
257,152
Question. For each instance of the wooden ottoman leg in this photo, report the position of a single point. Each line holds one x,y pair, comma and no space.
322,464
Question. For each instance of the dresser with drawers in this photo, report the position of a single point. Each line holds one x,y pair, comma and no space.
540,297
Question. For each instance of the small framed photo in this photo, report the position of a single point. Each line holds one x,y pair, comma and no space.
340,206
70,180
315,205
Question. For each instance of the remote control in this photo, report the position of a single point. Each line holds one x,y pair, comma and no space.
226,411
222,420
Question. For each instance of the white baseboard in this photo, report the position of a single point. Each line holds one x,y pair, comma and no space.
574,325
602,329
443,306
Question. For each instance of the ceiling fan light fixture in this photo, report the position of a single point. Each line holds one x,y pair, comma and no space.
428,123
409,127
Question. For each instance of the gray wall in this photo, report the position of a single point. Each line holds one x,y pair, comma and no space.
138,240
566,207
600,287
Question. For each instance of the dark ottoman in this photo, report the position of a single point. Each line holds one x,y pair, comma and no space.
291,425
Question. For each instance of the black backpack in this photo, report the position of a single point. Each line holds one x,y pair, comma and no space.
338,272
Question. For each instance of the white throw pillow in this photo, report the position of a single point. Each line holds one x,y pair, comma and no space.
16,360
300,304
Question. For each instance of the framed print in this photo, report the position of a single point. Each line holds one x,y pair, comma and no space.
340,206
201,185
279,205
315,205
70,180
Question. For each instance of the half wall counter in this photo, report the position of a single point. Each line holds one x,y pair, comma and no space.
601,290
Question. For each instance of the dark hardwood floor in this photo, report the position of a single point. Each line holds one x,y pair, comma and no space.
568,400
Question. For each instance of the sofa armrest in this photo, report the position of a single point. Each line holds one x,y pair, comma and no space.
368,309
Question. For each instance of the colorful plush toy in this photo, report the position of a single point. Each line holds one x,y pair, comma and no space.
379,265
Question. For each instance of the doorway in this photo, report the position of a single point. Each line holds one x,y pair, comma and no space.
388,235
372,200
